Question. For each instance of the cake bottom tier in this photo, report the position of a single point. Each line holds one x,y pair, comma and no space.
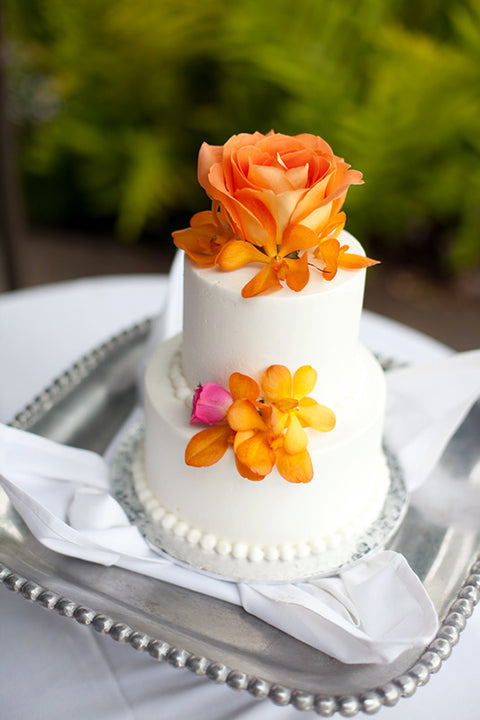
215,510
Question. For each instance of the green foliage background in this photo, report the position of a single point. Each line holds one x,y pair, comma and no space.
114,98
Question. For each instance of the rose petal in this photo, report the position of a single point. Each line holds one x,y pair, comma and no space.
311,198
243,160
209,155
256,205
334,226
315,143
298,176
319,217
210,404
216,395
247,225
232,153
269,178
281,207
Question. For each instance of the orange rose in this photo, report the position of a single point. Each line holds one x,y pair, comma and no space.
266,183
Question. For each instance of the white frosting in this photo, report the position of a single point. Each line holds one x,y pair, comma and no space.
214,510
225,333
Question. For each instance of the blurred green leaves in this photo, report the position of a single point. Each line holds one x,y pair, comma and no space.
113,100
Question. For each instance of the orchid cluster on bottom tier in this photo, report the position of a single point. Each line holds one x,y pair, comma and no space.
264,425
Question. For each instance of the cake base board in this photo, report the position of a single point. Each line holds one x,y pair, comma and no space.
330,562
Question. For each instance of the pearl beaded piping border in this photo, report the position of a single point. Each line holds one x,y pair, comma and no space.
242,551
180,387
369,702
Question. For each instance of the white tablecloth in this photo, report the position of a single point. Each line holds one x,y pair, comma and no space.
51,667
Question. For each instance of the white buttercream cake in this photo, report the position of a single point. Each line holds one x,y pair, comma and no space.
212,516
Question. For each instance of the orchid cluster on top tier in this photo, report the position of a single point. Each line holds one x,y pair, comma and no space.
265,425
274,197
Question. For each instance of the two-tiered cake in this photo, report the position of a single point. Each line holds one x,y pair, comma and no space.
264,419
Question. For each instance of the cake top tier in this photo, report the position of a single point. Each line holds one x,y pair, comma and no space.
276,203
225,333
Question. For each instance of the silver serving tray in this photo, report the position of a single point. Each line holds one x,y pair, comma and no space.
86,407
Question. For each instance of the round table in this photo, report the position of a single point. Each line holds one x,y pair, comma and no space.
52,667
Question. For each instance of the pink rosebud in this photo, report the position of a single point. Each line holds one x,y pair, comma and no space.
210,404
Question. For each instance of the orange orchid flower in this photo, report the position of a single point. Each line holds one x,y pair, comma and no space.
250,422
259,449
279,266
291,408
266,432
335,255
207,234
254,454
272,433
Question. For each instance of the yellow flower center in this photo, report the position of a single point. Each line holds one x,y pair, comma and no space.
286,405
